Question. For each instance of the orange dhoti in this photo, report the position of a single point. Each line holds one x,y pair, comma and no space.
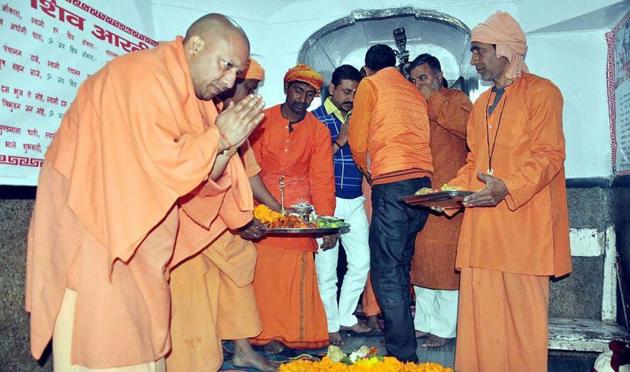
502,323
289,304
212,294
213,300
370,305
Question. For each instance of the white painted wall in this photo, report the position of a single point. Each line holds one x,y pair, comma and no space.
573,60
172,18
135,13
45,54
576,63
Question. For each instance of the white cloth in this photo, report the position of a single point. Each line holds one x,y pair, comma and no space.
436,311
62,344
602,363
355,243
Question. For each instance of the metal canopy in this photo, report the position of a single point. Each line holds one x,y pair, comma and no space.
437,33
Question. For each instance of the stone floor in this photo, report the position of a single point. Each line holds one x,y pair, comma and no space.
558,361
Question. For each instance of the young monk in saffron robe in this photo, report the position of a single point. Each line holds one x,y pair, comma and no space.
140,135
515,233
212,293
292,143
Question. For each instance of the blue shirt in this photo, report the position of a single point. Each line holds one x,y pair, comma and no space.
348,177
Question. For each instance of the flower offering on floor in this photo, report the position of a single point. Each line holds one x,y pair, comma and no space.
363,359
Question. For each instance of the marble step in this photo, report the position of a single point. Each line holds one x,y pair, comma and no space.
590,335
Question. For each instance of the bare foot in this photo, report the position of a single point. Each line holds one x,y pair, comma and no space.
335,338
357,328
434,341
421,334
374,324
245,356
274,347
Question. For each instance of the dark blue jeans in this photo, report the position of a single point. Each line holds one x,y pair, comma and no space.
393,232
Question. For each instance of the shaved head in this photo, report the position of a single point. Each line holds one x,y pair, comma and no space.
216,49
213,25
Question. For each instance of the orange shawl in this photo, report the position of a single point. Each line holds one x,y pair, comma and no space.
135,140
130,150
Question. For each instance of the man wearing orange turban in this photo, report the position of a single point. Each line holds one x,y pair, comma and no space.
515,232
292,144
254,71
246,83
304,74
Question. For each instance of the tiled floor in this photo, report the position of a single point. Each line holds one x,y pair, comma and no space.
558,362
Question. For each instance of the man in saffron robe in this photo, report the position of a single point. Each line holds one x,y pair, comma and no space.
389,139
433,269
140,135
515,233
213,298
293,144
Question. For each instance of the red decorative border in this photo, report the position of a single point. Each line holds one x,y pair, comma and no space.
610,87
21,161
104,17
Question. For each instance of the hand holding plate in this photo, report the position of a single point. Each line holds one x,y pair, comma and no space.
490,196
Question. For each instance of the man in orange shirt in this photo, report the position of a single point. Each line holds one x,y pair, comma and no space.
515,233
139,136
389,138
213,298
293,144
433,270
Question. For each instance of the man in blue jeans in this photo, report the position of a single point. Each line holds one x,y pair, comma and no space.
389,138
349,206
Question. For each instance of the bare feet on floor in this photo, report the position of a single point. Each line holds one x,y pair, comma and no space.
274,347
374,324
434,341
357,328
335,338
421,334
245,356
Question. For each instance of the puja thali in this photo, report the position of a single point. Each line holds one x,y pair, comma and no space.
307,230
439,199
298,220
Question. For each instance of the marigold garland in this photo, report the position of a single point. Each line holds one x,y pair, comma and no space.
363,359
266,215
386,364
